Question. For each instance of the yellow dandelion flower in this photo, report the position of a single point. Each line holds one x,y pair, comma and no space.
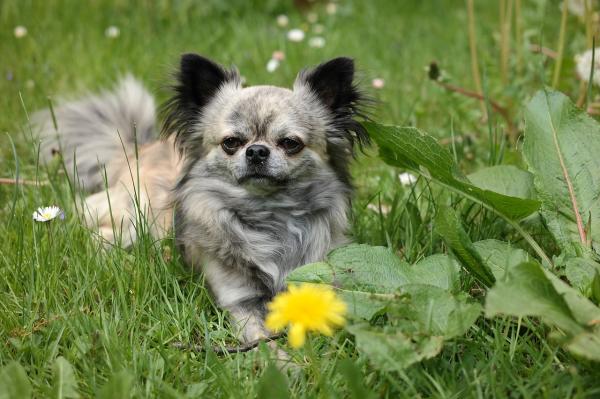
307,307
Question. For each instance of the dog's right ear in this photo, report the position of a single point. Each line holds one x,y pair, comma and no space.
197,82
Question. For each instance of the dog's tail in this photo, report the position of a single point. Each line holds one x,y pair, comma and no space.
98,131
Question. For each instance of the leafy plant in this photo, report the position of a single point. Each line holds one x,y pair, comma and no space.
403,313
422,303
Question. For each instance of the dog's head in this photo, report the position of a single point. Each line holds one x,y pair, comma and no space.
265,135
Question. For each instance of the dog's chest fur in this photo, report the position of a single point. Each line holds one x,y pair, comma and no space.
259,237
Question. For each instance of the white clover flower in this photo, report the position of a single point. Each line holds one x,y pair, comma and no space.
282,20
48,213
312,17
331,8
407,179
378,83
20,31
318,29
272,65
295,35
112,32
583,64
317,42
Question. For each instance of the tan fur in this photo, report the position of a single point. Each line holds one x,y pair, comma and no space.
156,171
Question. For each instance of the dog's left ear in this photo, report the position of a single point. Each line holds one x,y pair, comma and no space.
332,82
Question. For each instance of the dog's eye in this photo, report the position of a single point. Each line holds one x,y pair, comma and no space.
291,145
231,144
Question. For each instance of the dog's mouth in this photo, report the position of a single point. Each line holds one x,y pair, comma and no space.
260,178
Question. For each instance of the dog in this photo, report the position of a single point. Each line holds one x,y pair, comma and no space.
254,181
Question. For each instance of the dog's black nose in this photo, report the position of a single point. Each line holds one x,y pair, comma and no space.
257,153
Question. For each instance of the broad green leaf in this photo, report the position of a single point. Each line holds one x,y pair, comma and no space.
505,179
273,384
14,383
409,148
500,256
581,272
392,350
366,277
449,227
439,270
529,290
363,305
437,312
562,147
372,269
118,386
360,273
65,383
418,300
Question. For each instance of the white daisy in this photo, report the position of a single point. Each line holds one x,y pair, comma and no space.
407,179
112,32
295,35
283,20
20,31
317,42
272,65
48,213
583,63
378,83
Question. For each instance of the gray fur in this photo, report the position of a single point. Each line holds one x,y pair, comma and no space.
89,129
248,234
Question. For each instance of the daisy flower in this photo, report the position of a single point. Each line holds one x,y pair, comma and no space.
272,65
317,42
407,179
378,83
583,64
45,214
331,8
20,31
283,20
306,307
295,35
112,32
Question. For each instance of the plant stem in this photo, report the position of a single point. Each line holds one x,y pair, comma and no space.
589,23
474,58
497,107
505,24
519,35
561,46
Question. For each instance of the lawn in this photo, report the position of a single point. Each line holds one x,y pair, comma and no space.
111,317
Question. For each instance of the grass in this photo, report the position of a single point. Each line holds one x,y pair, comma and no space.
113,314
